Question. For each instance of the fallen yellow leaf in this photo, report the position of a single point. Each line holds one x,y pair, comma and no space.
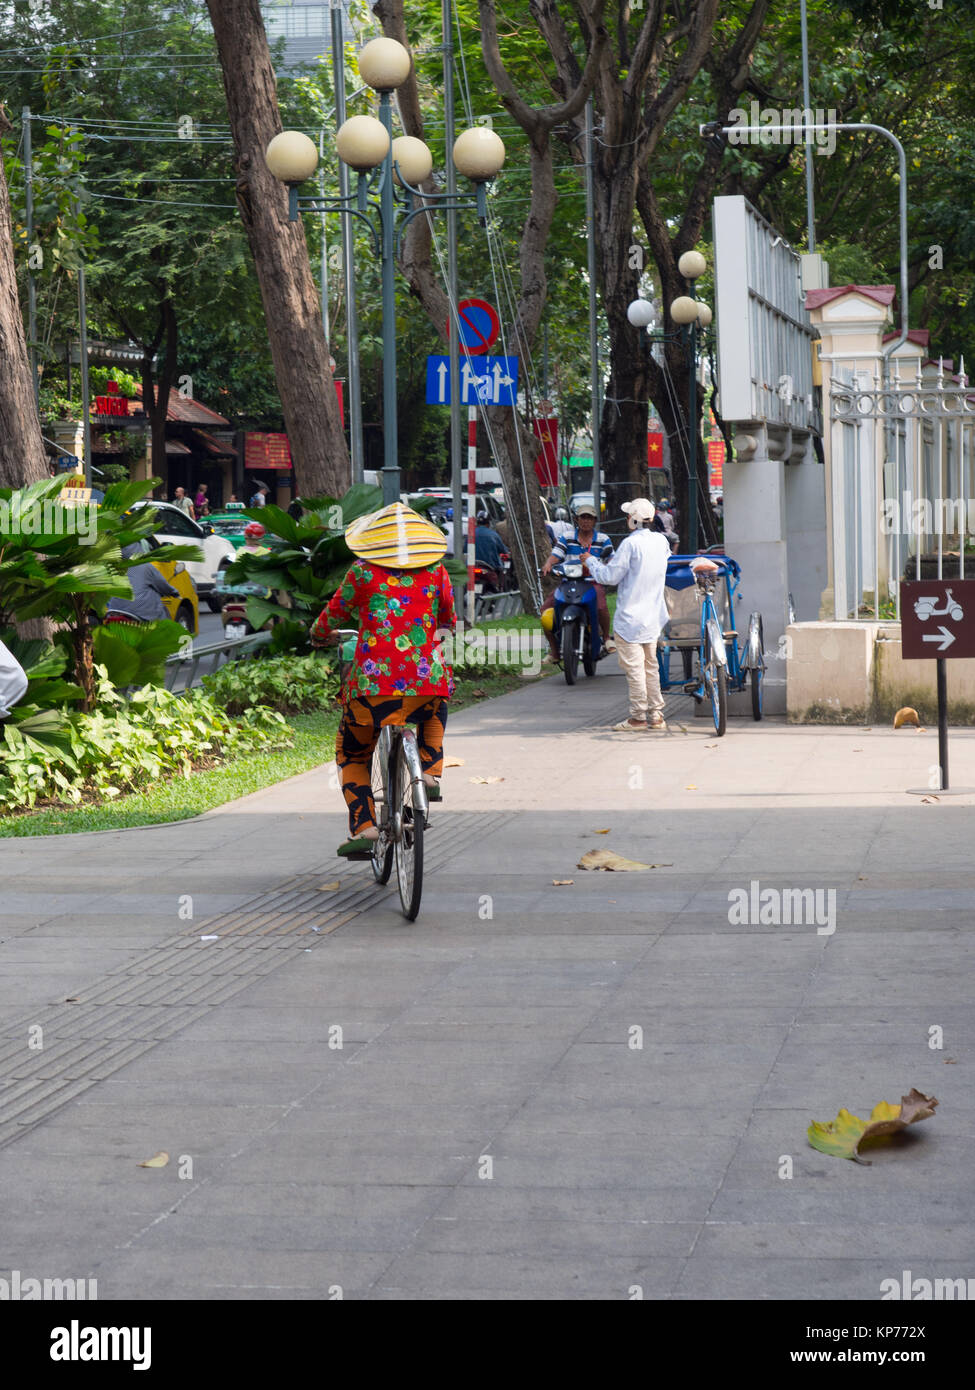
483,781
600,832
907,715
329,887
453,762
160,1161
690,787
843,1136
562,882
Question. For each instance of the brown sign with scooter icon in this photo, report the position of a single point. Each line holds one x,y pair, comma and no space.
937,619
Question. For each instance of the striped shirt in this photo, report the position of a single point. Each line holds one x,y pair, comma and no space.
571,547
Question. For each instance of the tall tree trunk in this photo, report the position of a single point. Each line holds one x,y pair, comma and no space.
22,457
291,304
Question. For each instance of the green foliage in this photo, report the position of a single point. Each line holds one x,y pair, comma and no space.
136,655
291,685
124,746
64,563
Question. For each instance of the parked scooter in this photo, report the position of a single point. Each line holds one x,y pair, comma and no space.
576,626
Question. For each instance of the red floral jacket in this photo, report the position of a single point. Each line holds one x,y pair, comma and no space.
398,613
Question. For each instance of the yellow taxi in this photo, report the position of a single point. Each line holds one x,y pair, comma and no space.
185,609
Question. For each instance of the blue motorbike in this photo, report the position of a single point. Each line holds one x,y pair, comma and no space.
576,627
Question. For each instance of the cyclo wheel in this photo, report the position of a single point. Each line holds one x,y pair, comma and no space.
382,855
570,655
409,840
757,684
716,680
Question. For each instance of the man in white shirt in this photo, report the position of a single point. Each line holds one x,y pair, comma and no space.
639,568
13,682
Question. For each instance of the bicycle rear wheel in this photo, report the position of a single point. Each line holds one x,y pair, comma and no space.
408,824
382,855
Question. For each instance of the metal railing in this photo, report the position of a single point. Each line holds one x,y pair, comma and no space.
215,652
902,482
498,605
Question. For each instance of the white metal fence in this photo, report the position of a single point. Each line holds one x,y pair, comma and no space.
902,482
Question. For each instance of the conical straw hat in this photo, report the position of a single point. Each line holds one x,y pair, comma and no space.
398,537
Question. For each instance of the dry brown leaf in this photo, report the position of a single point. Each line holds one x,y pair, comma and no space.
479,694
609,859
928,800
483,781
907,715
72,999
160,1160
453,762
329,887
950,1061
562,882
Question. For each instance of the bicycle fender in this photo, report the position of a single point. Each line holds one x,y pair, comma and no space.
717,643
754,653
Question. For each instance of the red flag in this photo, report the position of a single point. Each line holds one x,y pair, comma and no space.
655,449
547,462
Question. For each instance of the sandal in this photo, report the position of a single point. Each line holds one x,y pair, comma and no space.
358,847
625,727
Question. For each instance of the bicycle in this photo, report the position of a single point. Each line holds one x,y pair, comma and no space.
402,804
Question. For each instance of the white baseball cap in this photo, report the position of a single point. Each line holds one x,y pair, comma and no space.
640,509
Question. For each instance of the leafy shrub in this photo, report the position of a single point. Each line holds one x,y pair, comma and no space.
124,745
289,684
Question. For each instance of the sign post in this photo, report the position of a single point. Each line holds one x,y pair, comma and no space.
938,622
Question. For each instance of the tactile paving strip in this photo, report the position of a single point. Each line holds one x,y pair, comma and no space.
134,1008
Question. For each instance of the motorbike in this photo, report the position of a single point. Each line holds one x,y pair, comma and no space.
491,581
925,607
576,628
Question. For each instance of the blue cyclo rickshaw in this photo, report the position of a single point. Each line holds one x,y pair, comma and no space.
700,595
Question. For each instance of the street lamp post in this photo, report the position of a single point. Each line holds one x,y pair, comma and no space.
385,165
692,317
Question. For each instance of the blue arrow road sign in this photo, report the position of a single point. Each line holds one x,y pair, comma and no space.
489,380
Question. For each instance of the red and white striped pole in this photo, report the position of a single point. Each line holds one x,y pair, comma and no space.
471,505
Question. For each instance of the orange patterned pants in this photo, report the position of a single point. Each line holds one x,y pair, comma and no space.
362,719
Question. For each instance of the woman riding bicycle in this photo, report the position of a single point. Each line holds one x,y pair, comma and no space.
399,595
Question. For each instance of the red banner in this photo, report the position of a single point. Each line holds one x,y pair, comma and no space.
716,461
267,451
655,449
547,462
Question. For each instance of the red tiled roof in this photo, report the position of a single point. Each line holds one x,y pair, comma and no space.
173,446
922,336
185,411
883,294
214,446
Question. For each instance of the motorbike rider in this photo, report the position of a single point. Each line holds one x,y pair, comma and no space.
639,568
583,540
399,595
149,588
663,521
488,550
254,533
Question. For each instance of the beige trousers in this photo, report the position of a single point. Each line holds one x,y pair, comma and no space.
639,663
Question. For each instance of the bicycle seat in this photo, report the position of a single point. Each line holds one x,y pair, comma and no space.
701,565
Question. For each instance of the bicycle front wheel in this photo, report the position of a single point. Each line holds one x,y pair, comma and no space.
716,678
409,836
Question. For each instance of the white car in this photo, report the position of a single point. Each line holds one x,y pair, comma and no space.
179,529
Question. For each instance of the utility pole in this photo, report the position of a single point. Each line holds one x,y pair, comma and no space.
31,285
348,257
85,390
453,333
593,335
810,205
